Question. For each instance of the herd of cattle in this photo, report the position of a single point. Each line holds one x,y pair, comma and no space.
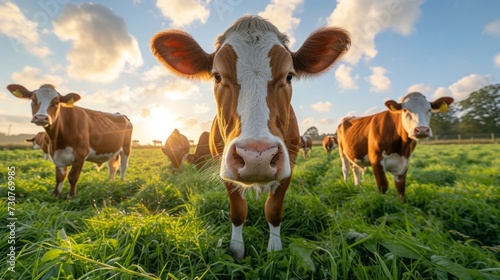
255,133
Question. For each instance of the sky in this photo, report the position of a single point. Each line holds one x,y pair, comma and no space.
101,51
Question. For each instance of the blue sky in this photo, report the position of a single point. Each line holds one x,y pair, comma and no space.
101,50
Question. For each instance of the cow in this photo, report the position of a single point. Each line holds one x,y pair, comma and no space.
77,134
176,149
305,144
329,143
156,142
41,141
386,140
255,133
201,153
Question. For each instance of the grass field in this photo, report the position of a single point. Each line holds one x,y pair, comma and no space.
158,225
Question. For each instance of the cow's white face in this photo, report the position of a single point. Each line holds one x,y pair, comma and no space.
44,106
255,152
416,113
45,102
252,69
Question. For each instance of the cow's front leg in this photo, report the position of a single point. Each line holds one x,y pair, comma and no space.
274,210
238,209
379,172
73,176
400,182
60,176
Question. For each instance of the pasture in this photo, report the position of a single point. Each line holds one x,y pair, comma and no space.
159,225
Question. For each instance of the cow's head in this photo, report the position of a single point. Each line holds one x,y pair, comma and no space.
45,102
252,69
416,113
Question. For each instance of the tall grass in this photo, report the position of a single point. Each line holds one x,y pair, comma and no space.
159,225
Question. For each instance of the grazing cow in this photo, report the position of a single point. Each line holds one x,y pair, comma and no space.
77,134
329,143
176,149
305,143
386,140
202,151
41,141
255,132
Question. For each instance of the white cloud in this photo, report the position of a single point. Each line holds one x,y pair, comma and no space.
200,108
21,30
184,12
461,89
32,78
323,107
379,82
365,19
280,13
343,76
493,28
371,111
422,88
101,46
308,121
497,60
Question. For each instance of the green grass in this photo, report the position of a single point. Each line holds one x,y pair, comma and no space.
159,225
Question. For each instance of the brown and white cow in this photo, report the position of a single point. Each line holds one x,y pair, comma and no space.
386,140
305,144
77,134
176,149
41,141
201,153
252,69
329,143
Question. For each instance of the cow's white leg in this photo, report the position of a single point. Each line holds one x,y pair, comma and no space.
345,166
237,247
274,238
123,165
357,175
113,167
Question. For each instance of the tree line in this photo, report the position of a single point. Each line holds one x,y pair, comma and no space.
478,114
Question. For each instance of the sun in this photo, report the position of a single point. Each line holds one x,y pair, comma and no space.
159,124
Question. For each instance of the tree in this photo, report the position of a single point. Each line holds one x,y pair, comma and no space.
445,123
313,131
481,111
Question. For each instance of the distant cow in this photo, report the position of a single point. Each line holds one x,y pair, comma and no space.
329,143
386,140
41,141
255,133
202,151
305,144
156,142
77,134
176,149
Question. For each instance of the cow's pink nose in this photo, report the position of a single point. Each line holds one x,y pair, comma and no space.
256,161
422,131
41,119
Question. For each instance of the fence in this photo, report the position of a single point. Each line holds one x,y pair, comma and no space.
462,139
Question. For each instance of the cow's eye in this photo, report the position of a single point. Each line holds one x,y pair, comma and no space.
217,77
289,77
55,104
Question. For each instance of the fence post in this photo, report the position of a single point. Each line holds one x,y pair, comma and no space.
459,138
493,137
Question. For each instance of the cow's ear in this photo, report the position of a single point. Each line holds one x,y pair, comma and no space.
441,104
179,52
19,91
392,105
68,99
320,50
